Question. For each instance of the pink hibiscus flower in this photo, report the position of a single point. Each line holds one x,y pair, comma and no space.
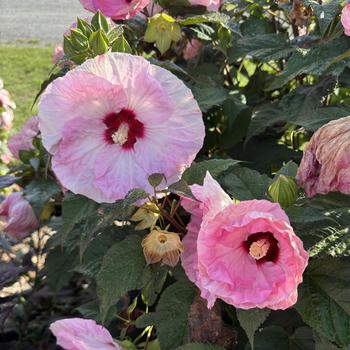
115,120
325,166
245,254
116,9
23,140
17,217
211,5
345,19
80,334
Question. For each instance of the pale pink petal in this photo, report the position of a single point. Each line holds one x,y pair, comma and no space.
76,95
80,334
23,140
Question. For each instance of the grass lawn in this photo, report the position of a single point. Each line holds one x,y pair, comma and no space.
23,69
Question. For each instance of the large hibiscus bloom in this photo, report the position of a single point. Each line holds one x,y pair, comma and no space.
115,120
116,9
245,254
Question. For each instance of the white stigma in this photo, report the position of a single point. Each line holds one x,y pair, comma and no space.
121,135
259,248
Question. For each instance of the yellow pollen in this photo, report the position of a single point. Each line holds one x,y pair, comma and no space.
259,248
162,239
121,135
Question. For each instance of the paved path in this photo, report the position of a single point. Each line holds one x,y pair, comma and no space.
42,21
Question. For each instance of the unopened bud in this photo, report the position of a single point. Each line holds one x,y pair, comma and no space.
284,190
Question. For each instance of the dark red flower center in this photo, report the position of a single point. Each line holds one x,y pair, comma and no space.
262,246
123,128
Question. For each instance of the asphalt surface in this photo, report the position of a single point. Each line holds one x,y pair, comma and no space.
37,21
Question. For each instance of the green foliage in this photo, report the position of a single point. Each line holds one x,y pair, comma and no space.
171,314
263,89
117,275
39,192
323,302
251,320
197,172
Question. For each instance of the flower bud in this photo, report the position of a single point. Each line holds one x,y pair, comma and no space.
325,166
162,246
284,190
17,217
147,216
162,29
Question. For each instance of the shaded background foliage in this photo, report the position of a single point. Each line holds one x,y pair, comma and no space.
263,88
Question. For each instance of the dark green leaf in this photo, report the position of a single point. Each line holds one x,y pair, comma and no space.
76,208
171,315
244,183
276,338
156,179
251,320
38,192
324,300
117,275
196,173
59,266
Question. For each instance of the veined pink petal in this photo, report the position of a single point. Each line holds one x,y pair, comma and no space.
109,121
80,334
219,260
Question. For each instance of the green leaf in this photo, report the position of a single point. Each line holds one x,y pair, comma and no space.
117,275
155,285
276,338
325,13
322,343
324,301
251,320
316,60
289,169
76,208
97,248
209,95
59,266
38,192
198,346
245,184
266,47
98,42
121,45
196,172
172,313
181,188
156,179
